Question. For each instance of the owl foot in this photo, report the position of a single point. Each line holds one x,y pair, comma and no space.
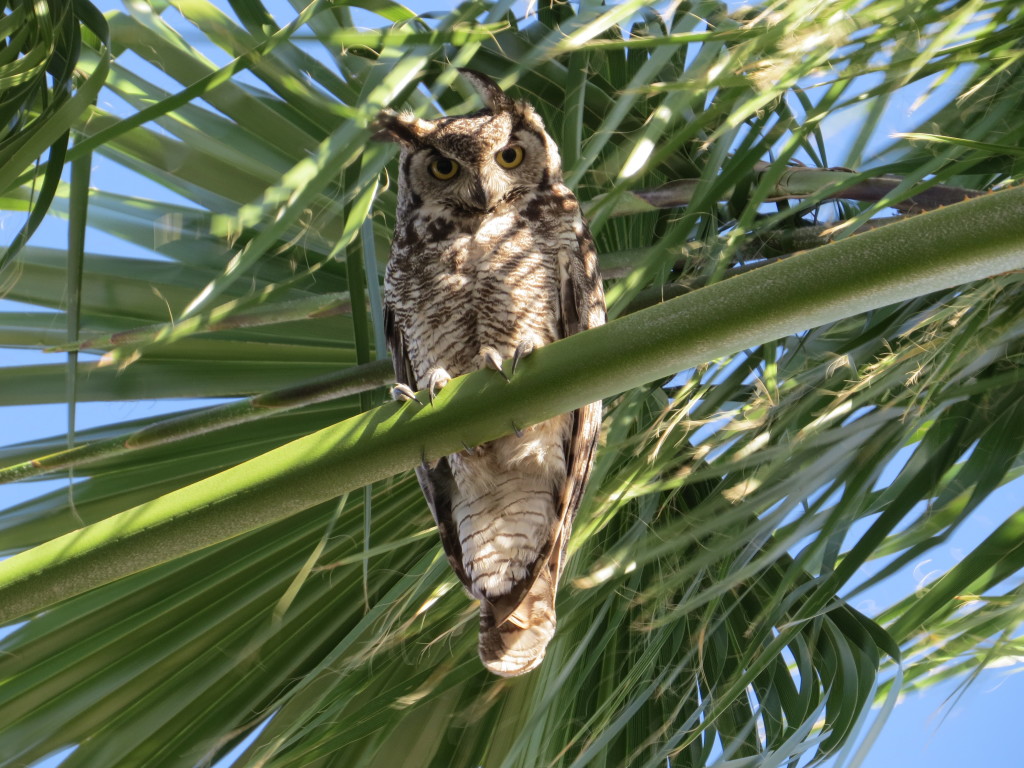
403,394
437,379
493,360
523,349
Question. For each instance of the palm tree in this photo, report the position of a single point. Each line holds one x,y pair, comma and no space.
845,306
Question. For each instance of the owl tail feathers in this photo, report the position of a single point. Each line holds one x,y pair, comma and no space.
517,645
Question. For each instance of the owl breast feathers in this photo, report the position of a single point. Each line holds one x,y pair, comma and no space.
491,259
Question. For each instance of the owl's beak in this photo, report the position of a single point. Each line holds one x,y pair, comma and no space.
480,197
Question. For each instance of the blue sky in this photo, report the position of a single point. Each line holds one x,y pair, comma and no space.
934,728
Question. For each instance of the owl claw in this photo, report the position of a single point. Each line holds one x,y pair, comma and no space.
523,349
493,360
437,379
403,394
518,431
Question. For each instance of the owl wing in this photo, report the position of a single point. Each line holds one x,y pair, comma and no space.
436,481
581,299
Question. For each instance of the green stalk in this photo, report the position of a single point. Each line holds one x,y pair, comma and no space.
320,390
221,318
795,183
934,251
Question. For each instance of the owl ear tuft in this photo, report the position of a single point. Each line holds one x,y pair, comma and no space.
494,98
401,127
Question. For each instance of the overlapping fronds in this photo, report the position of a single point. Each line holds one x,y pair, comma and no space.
42,97
814,446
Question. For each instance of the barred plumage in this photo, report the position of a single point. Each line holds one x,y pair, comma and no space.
491,258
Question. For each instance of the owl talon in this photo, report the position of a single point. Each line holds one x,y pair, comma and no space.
437,379
493,360
523,349
403,394
518,431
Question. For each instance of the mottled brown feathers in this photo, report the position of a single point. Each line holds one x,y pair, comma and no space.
491,258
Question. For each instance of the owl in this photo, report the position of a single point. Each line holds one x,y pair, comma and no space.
491,259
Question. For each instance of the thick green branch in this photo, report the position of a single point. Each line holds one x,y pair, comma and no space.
930,252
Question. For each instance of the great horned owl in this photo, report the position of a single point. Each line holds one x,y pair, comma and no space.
491,258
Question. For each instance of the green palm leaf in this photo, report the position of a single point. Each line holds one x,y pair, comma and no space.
41,98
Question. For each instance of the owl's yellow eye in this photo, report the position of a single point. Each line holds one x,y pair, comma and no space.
444,168
510,156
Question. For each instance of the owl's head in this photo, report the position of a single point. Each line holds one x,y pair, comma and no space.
473,164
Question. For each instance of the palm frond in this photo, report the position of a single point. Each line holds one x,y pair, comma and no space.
42,96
